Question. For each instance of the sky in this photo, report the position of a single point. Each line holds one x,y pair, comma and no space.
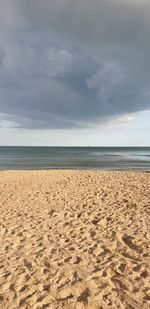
75,72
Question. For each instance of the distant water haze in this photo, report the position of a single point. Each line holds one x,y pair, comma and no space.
104,158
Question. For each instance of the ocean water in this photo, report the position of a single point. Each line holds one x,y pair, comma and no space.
105,158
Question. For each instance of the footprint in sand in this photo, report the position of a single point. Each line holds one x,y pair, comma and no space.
128,241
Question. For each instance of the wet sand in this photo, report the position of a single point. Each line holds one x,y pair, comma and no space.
74,239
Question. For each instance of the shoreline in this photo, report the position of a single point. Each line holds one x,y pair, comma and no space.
78,169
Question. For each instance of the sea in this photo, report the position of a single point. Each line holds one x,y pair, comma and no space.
101,158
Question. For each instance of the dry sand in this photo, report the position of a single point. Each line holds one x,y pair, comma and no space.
74,239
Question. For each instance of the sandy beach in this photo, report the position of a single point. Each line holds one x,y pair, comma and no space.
74,239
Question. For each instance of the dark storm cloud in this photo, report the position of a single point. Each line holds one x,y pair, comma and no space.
71,63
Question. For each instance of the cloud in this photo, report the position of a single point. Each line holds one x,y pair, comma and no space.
68,64
106,81
125,120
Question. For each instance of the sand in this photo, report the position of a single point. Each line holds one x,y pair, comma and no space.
74,239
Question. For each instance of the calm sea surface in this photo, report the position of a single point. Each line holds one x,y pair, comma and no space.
106,158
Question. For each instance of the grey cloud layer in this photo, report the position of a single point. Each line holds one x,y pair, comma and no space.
70,63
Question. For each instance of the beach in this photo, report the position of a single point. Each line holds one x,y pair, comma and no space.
74,239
